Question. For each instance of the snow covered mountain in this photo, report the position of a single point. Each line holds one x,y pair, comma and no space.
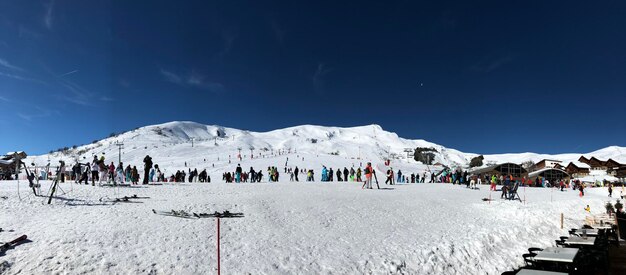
177,145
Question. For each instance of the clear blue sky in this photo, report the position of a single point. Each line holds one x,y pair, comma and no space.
478,76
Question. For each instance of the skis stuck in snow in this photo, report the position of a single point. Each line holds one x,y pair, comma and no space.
6,246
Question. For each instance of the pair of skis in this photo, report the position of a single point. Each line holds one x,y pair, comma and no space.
11,244
184,214
129,199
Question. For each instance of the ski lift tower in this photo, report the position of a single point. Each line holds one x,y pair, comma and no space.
409,152
192,139
120,146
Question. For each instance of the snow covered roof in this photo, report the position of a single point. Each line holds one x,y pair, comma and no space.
538,172
597,178
580,164
552,160
6,162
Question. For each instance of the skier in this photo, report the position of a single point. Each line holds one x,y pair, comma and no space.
345,174
147,165
399,176
493,183
94,171
152,171
610,190
330,174
76,172
238,172
127,173
339,175
112,172
103,171
296,173
368,175
134,174
324,173
358,174
389,177
120,173
85,174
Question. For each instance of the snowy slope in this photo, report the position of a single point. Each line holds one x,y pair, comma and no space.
170,145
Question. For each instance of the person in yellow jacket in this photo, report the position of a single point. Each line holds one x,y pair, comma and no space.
493,183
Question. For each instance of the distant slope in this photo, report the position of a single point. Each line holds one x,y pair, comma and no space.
171,145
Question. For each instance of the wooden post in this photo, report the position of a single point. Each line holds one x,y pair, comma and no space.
218,246
561,220
617,226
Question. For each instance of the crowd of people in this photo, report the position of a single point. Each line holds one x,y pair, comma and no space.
97,171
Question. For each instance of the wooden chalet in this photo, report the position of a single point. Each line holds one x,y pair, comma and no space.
547,163
577,169
597,164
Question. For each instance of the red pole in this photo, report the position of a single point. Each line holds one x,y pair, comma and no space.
218,246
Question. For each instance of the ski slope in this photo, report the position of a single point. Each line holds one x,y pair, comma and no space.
288,228
217,148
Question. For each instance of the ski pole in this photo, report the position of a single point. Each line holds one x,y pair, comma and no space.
218,245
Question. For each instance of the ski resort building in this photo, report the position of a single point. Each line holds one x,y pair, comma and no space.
577,169
516,170
551,174
8,163
594,163
611,166
548,163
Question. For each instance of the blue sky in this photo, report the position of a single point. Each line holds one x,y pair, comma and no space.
478,76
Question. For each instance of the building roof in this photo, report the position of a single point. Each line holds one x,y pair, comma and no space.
552,160
538,172
6,162
490,168
600,178
579,164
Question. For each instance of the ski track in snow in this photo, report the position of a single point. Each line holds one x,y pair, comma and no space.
288,228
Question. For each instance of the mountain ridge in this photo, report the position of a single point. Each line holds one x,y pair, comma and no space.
174,140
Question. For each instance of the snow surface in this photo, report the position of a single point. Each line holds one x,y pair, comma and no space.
288,228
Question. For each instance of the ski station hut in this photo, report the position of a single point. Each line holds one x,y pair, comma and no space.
577,169
551,174
8,164
516,170
548,163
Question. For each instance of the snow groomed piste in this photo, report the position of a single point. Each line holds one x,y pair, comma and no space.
303,228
